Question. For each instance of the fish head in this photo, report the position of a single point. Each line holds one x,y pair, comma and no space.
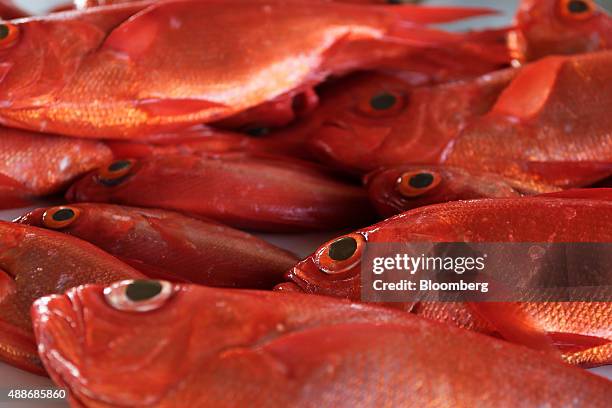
333,270
130,329
402,188
90,221
357,115
547,27
105,183
397,189
38,57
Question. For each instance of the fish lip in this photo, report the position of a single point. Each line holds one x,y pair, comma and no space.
64,310
294,276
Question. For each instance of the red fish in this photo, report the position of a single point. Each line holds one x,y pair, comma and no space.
248,348
171,246
550,125
261,193
9,11
581,329
547,27
398,189
207,140
544,124
35,165
33,263
154,67
370,121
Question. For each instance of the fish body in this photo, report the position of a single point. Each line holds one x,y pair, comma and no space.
209,141
181,247
552,117
398,189
244,191
36,165
282,349
154,67
559,27
520,220
35,262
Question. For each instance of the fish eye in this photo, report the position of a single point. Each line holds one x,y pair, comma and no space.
138,295
385,103
341,254
60,217
115,173
416,183
577,9
9,33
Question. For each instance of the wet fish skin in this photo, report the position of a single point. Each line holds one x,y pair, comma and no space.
265,193
172,246
294,350
36,262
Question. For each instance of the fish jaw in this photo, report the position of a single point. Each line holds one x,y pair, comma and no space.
349,146
307,277
56,320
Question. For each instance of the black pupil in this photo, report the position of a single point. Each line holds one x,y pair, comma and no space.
342,249
578,6
421,180
4,31
383,101
63,215
258,131
119,165
396,1
143,290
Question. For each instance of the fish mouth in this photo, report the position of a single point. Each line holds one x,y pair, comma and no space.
56,319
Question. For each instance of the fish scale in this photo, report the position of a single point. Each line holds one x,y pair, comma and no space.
329,353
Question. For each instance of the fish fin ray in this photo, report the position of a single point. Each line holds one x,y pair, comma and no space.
515,325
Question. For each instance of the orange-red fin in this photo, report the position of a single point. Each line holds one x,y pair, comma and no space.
433,15
528,93
600,194
176,107
136,35
515,325
574,343
13,194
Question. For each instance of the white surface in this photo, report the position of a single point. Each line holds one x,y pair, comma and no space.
302,245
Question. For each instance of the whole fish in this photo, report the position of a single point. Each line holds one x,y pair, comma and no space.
36,165
171,246
544,124
398,189
278,350
581,329
554,27
35,262
154,67
261,193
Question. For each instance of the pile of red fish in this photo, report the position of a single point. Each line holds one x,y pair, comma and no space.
166,129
